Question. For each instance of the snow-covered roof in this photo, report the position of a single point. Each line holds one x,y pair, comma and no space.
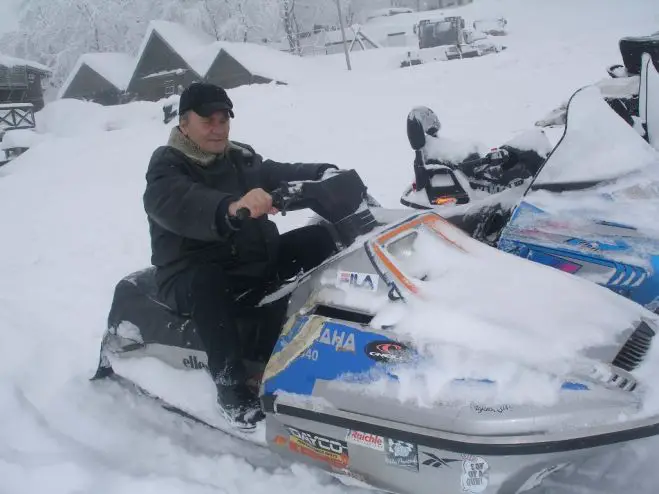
200,51
116,68
257,59
182,40
8,61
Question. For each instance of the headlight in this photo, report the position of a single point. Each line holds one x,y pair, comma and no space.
403,248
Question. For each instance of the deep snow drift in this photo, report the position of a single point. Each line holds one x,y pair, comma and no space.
73,224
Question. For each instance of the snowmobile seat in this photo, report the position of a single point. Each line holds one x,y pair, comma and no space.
632,49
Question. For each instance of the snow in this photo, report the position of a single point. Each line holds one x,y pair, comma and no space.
597,144
261,60
72,211
527,336
182,40
9,61
20,138
9,106
116,68
89,118
200,52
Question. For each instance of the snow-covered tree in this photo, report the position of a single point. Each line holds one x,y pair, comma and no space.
57,32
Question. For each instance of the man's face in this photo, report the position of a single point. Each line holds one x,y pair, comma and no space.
211,134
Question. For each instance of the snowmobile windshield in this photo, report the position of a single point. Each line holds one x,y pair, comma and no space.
597,146
602,172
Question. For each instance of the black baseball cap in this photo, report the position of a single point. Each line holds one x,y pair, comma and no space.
204,99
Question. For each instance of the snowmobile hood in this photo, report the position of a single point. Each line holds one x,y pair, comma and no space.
433,289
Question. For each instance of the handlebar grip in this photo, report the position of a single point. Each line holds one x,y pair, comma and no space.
243,213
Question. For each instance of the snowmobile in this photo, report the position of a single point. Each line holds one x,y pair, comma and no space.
331,336
590,210
584,219
449,175
625,89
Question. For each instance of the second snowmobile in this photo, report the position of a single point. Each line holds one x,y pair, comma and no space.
458,176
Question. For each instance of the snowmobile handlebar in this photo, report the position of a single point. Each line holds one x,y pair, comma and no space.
283,199
333,198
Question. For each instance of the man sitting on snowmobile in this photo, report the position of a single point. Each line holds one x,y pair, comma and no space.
205,257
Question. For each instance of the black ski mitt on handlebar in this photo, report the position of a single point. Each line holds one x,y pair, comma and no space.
336,197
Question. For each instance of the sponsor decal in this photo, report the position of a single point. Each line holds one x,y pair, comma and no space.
490,409
437,462
475,474
280,441
318,447
401,454
310,354
365,439
192,362
363,281
342,341
387,351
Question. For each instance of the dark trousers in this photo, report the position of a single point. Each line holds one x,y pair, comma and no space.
226,327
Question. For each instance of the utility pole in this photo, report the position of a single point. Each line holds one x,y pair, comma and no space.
343,34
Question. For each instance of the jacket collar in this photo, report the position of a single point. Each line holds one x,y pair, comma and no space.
183,144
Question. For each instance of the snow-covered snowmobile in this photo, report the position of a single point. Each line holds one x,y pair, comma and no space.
450,175
592,208
626,88
583,211
333,346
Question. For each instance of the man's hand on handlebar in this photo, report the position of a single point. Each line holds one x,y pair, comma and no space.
257,201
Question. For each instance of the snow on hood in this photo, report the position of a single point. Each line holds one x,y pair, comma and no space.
486,314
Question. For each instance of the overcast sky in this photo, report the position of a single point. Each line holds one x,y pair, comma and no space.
7,15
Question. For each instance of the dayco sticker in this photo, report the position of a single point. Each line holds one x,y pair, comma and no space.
387,351
365,439
319,448
342,341
402,454
475,474
364,281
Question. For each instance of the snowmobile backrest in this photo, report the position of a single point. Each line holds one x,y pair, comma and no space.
415,134
632,49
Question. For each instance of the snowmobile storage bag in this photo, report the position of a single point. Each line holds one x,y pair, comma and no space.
632,49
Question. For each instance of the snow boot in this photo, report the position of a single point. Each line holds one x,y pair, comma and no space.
240,406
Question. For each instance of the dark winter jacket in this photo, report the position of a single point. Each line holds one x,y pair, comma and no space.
186,199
